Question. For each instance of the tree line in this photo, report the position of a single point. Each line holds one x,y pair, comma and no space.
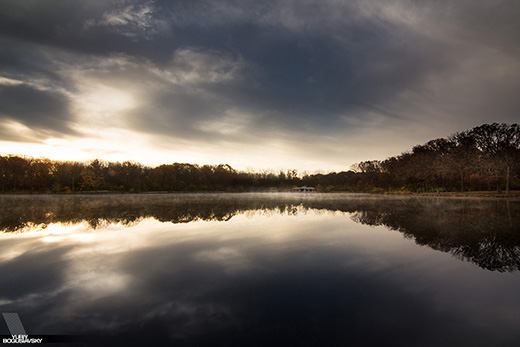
484,158
26,174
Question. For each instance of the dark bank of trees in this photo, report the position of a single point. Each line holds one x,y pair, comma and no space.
486,157
483,158
24,174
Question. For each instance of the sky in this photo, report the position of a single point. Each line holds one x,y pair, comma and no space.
312,85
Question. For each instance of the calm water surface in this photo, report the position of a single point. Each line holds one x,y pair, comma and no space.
262,269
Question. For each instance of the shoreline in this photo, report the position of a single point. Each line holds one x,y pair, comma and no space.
512,196
487,195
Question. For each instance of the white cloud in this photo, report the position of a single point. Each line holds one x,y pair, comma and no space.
132,20
9,82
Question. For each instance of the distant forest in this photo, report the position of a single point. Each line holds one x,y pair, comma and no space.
484,158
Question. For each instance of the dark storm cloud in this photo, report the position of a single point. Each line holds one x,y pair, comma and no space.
85,26
287,69
20,61
319,63
36,109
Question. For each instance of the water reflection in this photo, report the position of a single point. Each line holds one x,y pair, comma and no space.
485,232
282,270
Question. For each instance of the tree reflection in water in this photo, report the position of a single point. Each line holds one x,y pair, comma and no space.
485,232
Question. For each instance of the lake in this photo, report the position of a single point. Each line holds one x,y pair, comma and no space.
262,269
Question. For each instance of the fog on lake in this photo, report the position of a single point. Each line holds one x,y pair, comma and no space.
262,269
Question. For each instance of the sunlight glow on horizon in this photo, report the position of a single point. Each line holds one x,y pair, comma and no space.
86,150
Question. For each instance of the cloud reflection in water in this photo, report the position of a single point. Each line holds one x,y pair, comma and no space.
290,272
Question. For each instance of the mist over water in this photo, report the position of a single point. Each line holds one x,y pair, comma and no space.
262,269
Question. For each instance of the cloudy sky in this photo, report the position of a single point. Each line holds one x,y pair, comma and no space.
311,85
